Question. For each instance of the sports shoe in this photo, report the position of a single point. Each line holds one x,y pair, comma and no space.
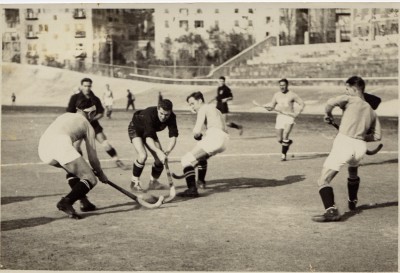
192,192
352,204
86,205
283,157
155,185
201,184
240,130
135,186
65,205
120,164
330,215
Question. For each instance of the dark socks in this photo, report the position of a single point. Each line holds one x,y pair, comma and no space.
190,177
137,168
202,170
352,187
327,196
80,189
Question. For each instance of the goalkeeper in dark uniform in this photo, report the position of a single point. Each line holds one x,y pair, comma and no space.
224,94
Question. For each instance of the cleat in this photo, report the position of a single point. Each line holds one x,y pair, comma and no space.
155,185
86,205
331,215
135,187
192,193
352,204
240,130
201,184
65,205
120,164
283,157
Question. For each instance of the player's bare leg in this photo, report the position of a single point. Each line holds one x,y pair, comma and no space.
80,168
327,197
286,142
102,139
353,183
156,171
138,165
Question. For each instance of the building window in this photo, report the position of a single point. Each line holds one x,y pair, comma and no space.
66,27
268,19
236,10
250,23
46,28
184,11
236,23
198,24
40,28
250,10
55,17
267,34
184,24
216,10
216,23
167,24
199,11
166,11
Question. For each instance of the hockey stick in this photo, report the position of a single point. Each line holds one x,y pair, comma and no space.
369,152
178,176
172,192
274,110
137,198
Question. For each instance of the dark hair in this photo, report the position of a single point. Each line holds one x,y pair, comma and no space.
165,104
222,78
86,80
285,81
356,81
84,103
196,95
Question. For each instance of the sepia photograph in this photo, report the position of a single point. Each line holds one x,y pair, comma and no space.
200,136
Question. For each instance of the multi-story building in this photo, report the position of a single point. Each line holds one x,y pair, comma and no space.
175,20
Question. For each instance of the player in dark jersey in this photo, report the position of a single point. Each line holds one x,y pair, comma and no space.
224,94
142,132
86,92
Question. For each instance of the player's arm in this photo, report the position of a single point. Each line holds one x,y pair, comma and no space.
228,95
72,104
375,132
172,133
200,121
301,103
99,109
90,142
272,104
151,144
340,101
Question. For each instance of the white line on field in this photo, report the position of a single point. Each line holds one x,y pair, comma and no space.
178,158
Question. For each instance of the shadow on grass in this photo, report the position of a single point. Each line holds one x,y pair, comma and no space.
360,209
390,161
226,185
13,199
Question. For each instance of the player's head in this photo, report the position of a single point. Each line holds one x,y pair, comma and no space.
87,107
195,101
164,109
355,84
221,80
86,85
283,85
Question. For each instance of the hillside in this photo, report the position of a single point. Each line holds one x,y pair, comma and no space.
41,85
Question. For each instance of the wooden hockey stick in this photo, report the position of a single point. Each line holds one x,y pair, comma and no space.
172,191
274,110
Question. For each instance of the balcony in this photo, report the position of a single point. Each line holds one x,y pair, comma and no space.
30,15
79,14
31,35
80,34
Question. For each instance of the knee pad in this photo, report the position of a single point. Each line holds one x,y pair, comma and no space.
188,160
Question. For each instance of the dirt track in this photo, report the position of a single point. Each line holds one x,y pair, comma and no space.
255,215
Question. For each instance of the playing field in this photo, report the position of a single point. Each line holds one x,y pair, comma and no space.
255,214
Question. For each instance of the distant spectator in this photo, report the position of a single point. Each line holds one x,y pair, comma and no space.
160,97
13,98
131,100
108,100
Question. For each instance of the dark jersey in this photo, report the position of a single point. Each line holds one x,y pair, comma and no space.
75,99
223,92
145,123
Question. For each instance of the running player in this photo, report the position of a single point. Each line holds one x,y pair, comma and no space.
283,103
359,125
213,141
224,94
142,132
108,100
86,92
56,149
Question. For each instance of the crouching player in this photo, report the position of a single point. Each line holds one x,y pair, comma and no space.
213,141
56,149
359,125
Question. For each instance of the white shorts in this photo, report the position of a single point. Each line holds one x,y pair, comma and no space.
345,150
57,148
214,141
108,101
282,120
